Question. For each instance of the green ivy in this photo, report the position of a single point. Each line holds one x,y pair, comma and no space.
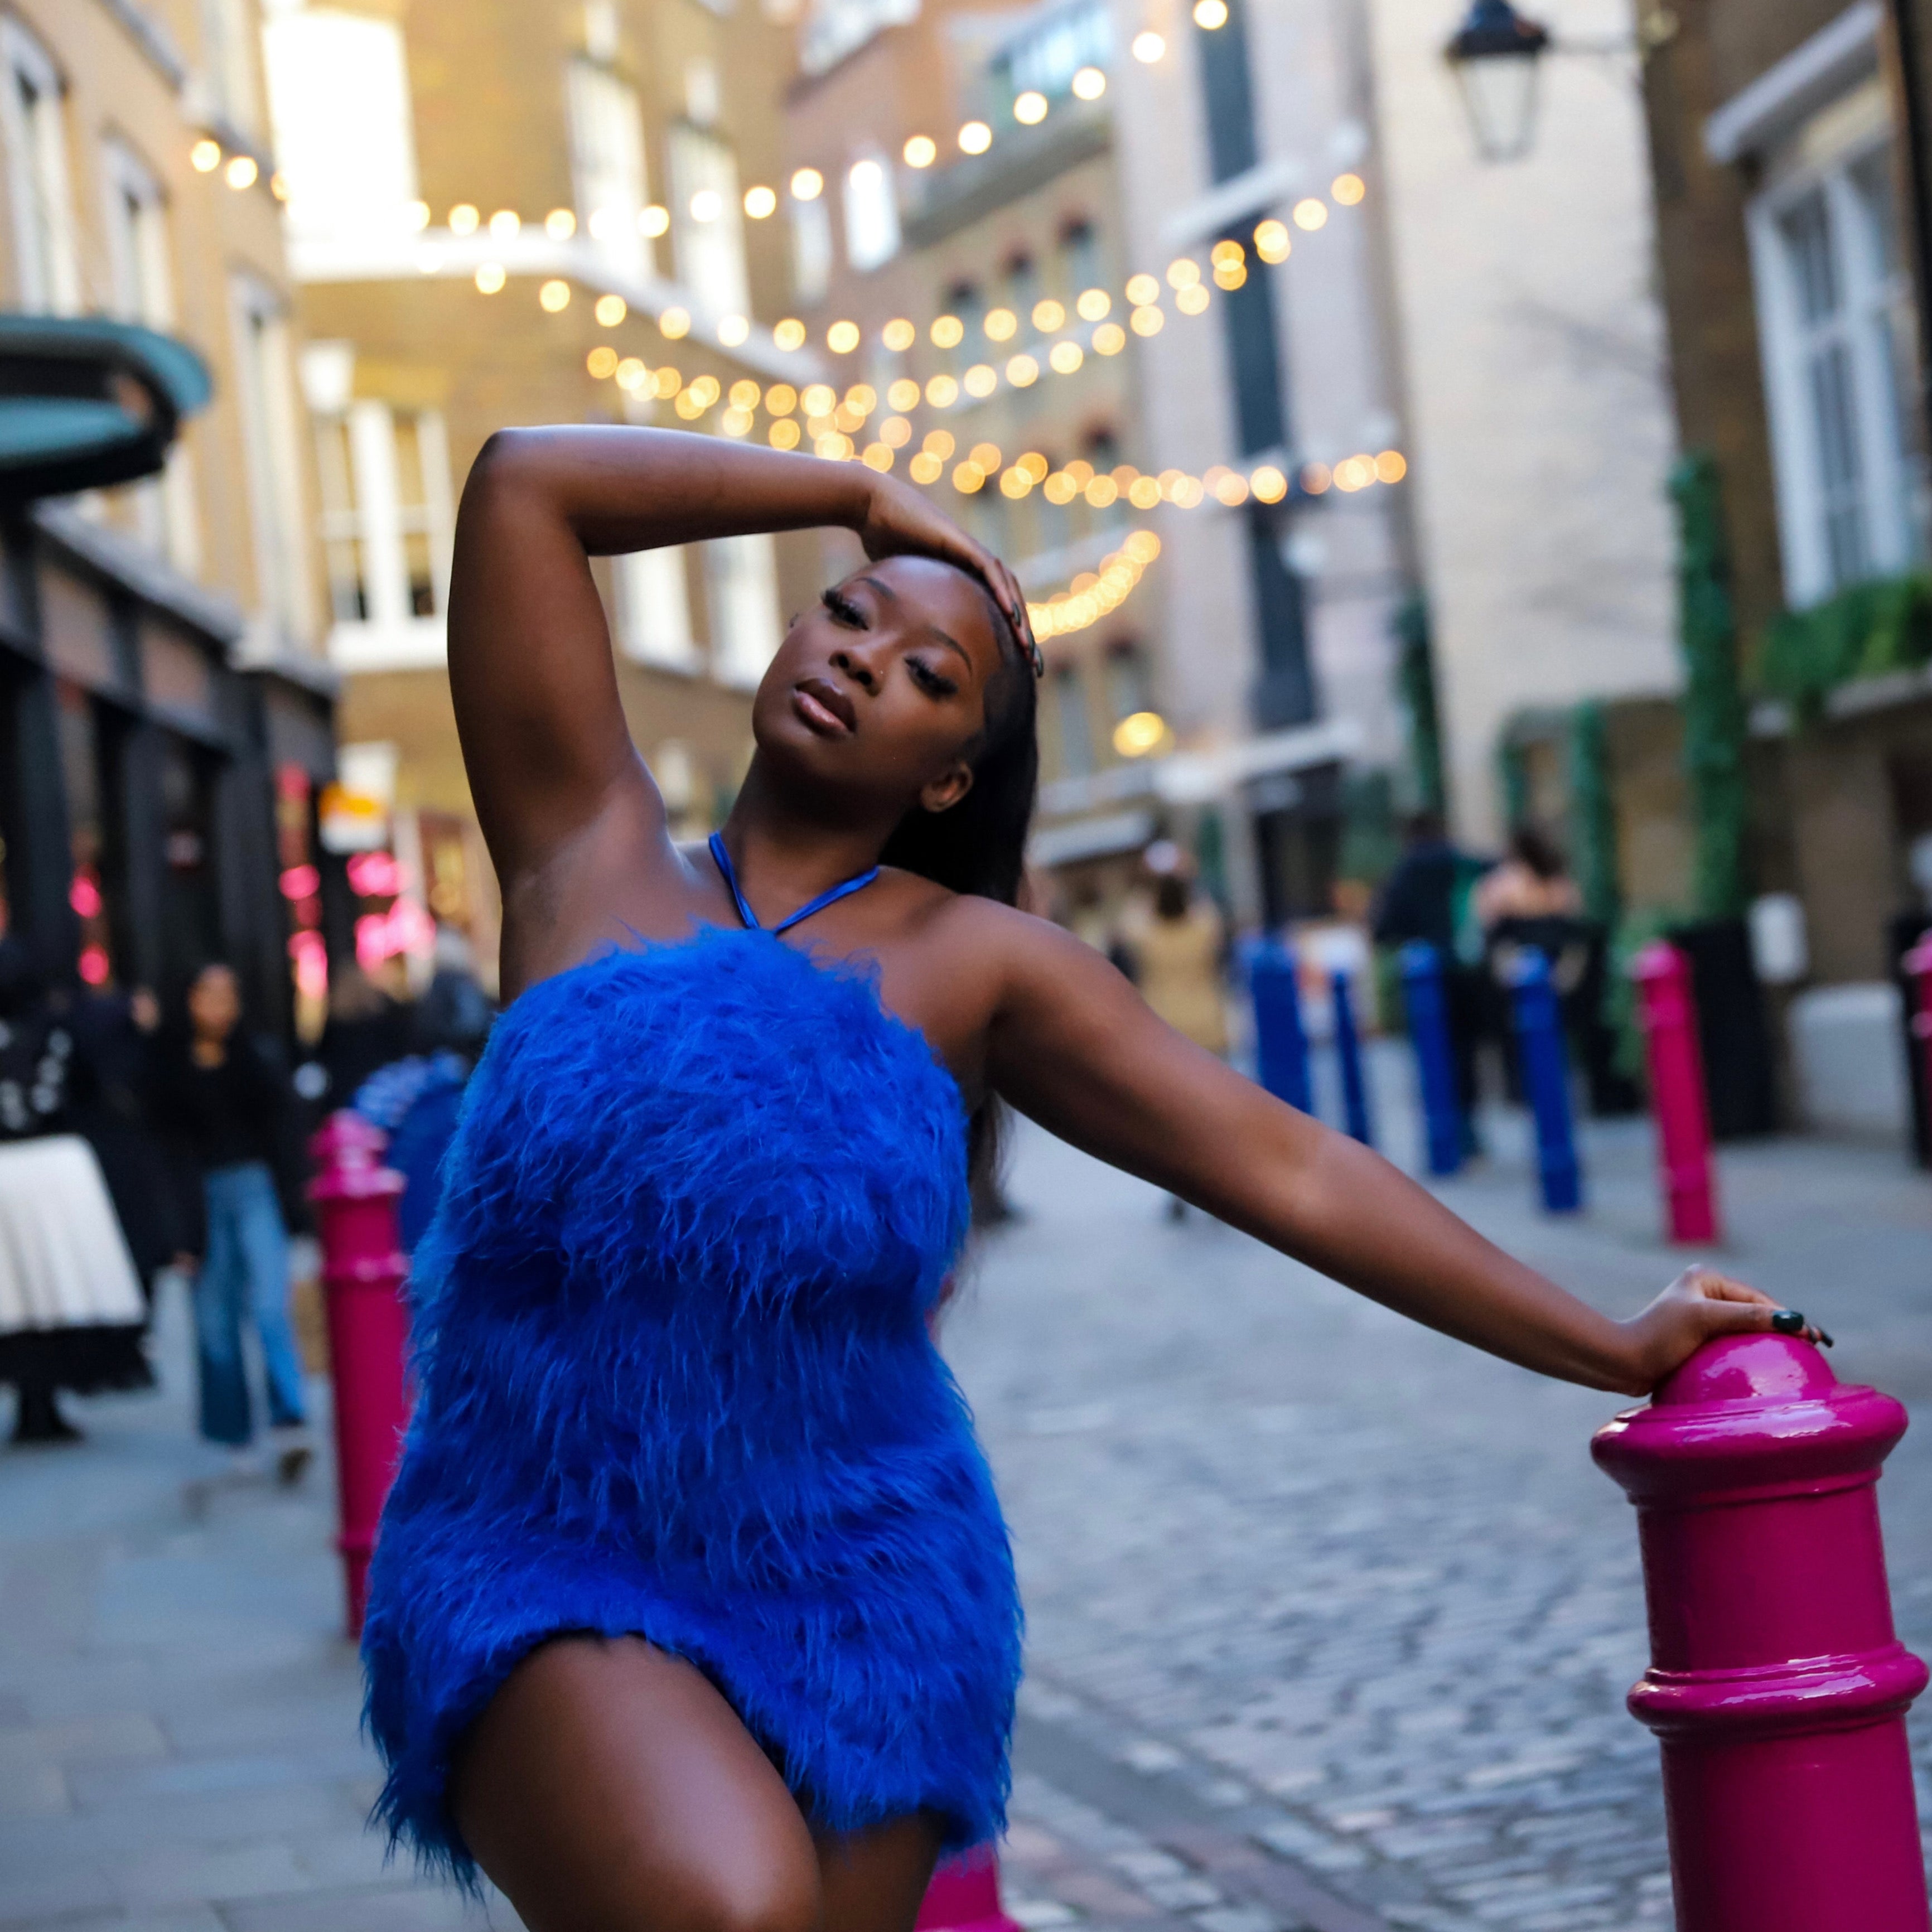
1864,631
1593,819
1714,701
1415,691
1621,1011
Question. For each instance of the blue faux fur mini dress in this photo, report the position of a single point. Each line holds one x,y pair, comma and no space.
674,1379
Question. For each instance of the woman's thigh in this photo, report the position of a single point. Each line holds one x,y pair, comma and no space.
609,1787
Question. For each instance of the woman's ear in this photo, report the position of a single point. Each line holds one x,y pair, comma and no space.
946,791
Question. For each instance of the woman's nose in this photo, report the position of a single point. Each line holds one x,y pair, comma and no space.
856,668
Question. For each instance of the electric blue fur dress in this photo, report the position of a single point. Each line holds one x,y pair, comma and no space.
674,1379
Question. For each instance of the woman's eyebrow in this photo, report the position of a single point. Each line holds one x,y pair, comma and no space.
951,642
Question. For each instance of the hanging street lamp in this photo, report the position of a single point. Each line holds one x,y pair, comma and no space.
1494,55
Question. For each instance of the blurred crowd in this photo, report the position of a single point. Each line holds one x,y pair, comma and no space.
141,1142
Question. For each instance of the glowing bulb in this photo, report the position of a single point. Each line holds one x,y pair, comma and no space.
986,455
1191,301
1391,466
1149,47
760,202
1144,493
1022,371
1272,242
1094,305
895,432
926,469
921,152
1146,320
937,442
1048,316
807,184
818,399
559,224
610,310
1183,273
780,399
1316,477
205,156
1016,482
903,395
948,331
706,205
602,361
744,394
1268,484
1110,338
1142,290
1227,254
1347,189
1139,732
241,171
898,334
783,434
506,225
975,138
968,477
842,337
653,221
877,456
1310,214
789,334
416,213
675,323
942,392
732,330
1089,83
1064,358
553,297
1029,108
981,380
1210,13
666,382
1000,324
463,219
490,277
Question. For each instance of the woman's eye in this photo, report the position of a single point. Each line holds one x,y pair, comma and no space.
928,680
843,609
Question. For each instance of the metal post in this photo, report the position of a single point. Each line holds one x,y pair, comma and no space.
1546,1078
964,1896
1348,1056
1426,1006
363,1269
1777,1687
1668,1007
1281,1041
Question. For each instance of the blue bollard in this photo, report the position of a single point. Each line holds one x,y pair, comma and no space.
1425,1002
1348,1055
1281,1043
1546,1078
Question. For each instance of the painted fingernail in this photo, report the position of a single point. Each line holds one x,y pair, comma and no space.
1826,1340
1787,1322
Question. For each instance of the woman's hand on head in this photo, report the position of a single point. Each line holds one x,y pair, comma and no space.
1698,1306
899,522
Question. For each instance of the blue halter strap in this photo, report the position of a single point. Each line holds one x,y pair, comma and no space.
824,899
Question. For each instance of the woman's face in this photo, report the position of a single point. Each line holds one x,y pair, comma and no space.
213,1002
880,690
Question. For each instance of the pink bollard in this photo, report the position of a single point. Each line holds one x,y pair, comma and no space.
964,1896
1669,1010
1777,1686
363,1269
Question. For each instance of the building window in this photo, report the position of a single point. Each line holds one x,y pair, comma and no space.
1836,321
741,583
834,29
1076,728
872,213
1055,45
706,223
264,383
345,140
654,609
607,147
1128,690
811,250
1081,264
385,530
32,124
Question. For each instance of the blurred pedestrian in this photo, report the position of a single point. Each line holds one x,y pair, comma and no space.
1532,882
216,1088
455,1014
71,1315
366,1029
1428,896
1180,955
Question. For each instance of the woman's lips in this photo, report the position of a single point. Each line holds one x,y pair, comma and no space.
822,709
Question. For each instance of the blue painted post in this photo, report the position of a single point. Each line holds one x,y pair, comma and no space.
1281,1042
1546,1077
1348,1055
1426,1004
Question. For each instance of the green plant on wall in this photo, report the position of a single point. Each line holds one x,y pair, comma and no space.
1714,702
1513,780
1866,631
1593,823
1415,689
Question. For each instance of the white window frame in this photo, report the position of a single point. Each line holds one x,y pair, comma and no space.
47,273
872,212
265,391
608,163
653,597
228,66
811,250
741,595
1821,158
710,255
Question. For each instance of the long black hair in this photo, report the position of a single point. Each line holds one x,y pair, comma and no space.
979,845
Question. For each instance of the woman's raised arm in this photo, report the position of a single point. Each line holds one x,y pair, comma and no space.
530,671
1074,1047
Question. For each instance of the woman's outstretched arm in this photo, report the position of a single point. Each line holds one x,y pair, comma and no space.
530,653
1074,1047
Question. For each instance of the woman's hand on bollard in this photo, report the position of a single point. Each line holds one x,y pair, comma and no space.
1699,1306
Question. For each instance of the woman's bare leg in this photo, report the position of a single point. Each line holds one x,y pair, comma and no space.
608,1787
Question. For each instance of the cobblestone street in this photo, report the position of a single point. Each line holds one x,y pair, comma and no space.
1330,1618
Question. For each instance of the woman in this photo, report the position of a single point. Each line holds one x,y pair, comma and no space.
692,1607
225,1102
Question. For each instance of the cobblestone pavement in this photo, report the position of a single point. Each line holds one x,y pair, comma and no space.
1330,1618
1306,1582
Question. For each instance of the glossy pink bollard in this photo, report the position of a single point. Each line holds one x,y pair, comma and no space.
964,1896
363,1268
1777,1686
1669,1010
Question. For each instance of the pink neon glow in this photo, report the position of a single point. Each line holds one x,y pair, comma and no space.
84,895
375,875
94,967
405,928
301,882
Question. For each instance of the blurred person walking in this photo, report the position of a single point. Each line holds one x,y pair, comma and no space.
1533,882
366,1029
216,1089
71,1315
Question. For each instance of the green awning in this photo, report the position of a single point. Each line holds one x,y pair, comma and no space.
86,403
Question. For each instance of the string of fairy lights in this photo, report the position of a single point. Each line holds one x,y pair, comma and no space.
840,426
